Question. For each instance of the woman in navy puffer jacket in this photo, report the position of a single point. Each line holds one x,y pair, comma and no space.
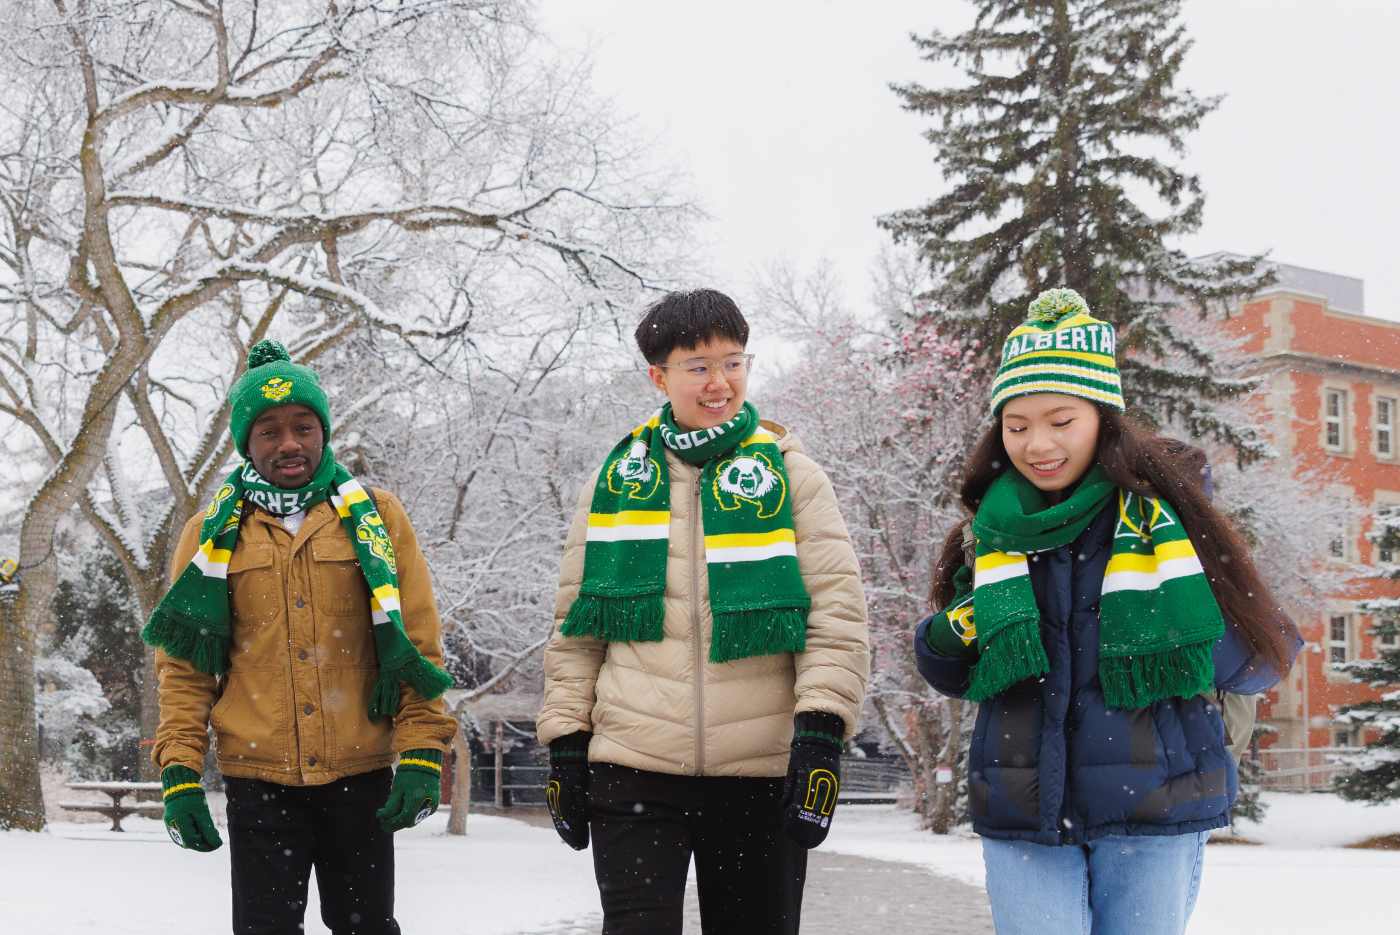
1112,603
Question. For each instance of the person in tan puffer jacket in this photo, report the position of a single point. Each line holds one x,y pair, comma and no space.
663,753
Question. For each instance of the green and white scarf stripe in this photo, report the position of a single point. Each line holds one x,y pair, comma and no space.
757,598
193,620
1158,620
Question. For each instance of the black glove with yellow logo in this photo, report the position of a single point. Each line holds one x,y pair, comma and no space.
813,777
567,790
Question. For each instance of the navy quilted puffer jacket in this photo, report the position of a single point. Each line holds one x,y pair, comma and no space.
1050,763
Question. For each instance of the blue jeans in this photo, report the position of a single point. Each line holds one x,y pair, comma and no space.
1118,885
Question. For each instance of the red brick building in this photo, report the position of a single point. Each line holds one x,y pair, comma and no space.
1332,398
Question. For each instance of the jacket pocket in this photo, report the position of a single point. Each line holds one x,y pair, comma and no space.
255,601
250,719
353,737
337,584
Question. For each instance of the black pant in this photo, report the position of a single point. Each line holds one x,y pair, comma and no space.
645,827
278,833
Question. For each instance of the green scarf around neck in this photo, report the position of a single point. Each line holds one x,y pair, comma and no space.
193,621
1158,620
757,598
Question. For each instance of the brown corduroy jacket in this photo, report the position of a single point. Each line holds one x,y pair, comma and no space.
664,707
293,707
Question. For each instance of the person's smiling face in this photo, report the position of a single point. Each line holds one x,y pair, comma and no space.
1051,439
285,445
706,384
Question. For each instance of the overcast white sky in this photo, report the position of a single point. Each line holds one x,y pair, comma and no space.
780,112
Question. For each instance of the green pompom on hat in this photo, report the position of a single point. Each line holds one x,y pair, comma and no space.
1060,348
273,380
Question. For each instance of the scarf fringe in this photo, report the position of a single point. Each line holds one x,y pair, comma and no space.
189,639
419,674
1014,655
744,633
1137,681
637,617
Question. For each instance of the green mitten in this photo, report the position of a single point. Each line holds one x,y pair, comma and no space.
416,791
951,632
187,818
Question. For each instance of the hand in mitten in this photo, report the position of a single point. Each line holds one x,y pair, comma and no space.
416,791
567,791
813,777
951,632
187,818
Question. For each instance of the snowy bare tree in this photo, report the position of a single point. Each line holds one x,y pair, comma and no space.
889,415
490,475
183,178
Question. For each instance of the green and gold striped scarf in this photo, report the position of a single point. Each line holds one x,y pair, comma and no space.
1158,620
193,621
757,598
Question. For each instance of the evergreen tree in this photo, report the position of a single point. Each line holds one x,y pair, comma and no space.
97,661
1249,804
1375,776
1053,145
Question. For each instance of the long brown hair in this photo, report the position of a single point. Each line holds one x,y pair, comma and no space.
1151,466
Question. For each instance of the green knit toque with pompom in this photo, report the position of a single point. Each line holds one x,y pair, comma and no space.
1061,348
273,380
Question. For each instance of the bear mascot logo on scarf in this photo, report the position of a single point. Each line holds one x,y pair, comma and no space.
750,479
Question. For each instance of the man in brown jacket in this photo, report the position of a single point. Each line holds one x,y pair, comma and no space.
301,625
710,652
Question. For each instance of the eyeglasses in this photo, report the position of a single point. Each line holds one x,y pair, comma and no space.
703,370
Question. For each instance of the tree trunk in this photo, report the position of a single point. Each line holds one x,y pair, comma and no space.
461,783
21,795
150,717
943,814
149,593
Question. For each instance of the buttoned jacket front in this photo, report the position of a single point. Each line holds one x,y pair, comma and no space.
293,706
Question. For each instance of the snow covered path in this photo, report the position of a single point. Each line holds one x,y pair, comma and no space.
876,873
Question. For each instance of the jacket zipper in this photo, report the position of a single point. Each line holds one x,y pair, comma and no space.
697,555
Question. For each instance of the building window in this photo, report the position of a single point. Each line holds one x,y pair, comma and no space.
1338,638
1385,549
1388,640
1385,427
1344,736
1337,541
1334,418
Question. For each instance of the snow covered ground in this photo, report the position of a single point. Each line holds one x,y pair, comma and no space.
1300,880
507,876
504,877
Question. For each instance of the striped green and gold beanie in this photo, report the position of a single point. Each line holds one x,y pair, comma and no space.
1060,348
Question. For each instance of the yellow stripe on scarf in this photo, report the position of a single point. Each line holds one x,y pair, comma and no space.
1162,552
630,518
732,540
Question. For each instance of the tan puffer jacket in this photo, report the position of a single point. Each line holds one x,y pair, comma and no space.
664,706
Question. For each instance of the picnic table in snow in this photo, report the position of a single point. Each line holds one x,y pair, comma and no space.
117,790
